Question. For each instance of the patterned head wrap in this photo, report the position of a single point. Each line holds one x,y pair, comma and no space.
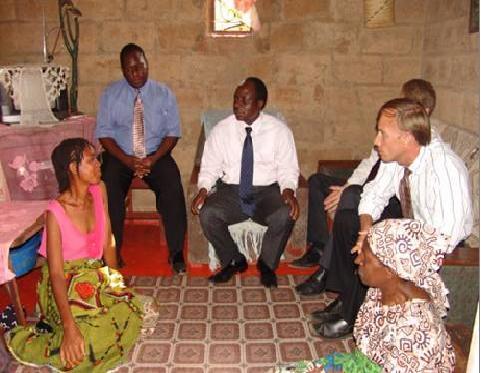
414,251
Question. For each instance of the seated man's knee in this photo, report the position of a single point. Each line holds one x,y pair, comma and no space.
313,180
280,216
346,219
319,180
350,197
208,214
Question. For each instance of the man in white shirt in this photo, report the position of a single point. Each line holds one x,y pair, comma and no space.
438,194
329,195
270,199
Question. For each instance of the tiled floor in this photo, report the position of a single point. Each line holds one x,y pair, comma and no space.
235,327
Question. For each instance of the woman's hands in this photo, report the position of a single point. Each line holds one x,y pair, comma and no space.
72,348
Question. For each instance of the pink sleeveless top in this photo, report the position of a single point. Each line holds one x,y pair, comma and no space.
77,245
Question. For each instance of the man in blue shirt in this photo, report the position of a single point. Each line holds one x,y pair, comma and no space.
156,105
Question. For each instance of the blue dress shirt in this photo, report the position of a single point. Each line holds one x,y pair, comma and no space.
116,114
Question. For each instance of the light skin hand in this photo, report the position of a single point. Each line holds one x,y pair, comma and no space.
198,201
290,199
332,200
366,223
72,348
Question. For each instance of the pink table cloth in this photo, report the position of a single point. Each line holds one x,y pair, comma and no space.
15,218
27,179
25,157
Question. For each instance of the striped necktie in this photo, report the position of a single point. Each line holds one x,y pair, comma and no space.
405,195
247,172
138,128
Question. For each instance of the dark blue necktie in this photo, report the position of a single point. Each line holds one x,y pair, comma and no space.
247,170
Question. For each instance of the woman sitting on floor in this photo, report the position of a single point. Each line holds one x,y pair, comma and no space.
399,326
89,319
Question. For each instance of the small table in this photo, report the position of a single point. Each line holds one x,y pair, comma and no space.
17,219
27,183
25,157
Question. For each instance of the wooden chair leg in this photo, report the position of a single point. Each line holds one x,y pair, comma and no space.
12,290
3,343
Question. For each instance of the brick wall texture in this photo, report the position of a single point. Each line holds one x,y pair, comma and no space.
325,71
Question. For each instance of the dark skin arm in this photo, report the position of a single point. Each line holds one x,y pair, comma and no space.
290,199
165,147
72,348
140,166
198,201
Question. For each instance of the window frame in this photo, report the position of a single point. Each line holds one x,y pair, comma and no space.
222,34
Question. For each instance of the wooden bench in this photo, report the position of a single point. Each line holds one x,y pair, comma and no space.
131,214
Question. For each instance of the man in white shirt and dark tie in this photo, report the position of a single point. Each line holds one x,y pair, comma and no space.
431,182
251,158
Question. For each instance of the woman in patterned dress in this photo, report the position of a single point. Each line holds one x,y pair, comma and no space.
89,319
399,326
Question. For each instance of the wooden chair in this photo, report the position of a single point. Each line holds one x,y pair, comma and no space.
132,214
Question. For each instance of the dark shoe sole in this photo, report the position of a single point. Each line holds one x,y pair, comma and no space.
217,279
178,268
331,312
319,331
310,289
304,262
326,317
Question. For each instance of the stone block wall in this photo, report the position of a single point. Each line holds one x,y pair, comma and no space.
325,71
450,59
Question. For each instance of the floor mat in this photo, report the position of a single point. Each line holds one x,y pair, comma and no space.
236,327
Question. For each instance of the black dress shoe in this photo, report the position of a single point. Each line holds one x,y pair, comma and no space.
178,264
331,312
315,284
226,273
333,329
310,258
268,276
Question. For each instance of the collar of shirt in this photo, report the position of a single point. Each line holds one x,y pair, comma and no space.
133,91
255,126
416,166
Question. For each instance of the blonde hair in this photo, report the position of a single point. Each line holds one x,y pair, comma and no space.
411,116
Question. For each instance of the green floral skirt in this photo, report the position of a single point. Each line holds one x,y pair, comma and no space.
108,314
355,362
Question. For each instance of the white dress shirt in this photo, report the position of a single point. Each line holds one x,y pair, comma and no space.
275,157
362,171
439,186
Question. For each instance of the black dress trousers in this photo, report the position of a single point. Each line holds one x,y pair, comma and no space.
222,208
164,179
342,276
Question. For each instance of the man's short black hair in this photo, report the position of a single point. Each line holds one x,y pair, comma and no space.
129,48
261,89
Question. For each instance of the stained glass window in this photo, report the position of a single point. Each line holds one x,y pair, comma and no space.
233,17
